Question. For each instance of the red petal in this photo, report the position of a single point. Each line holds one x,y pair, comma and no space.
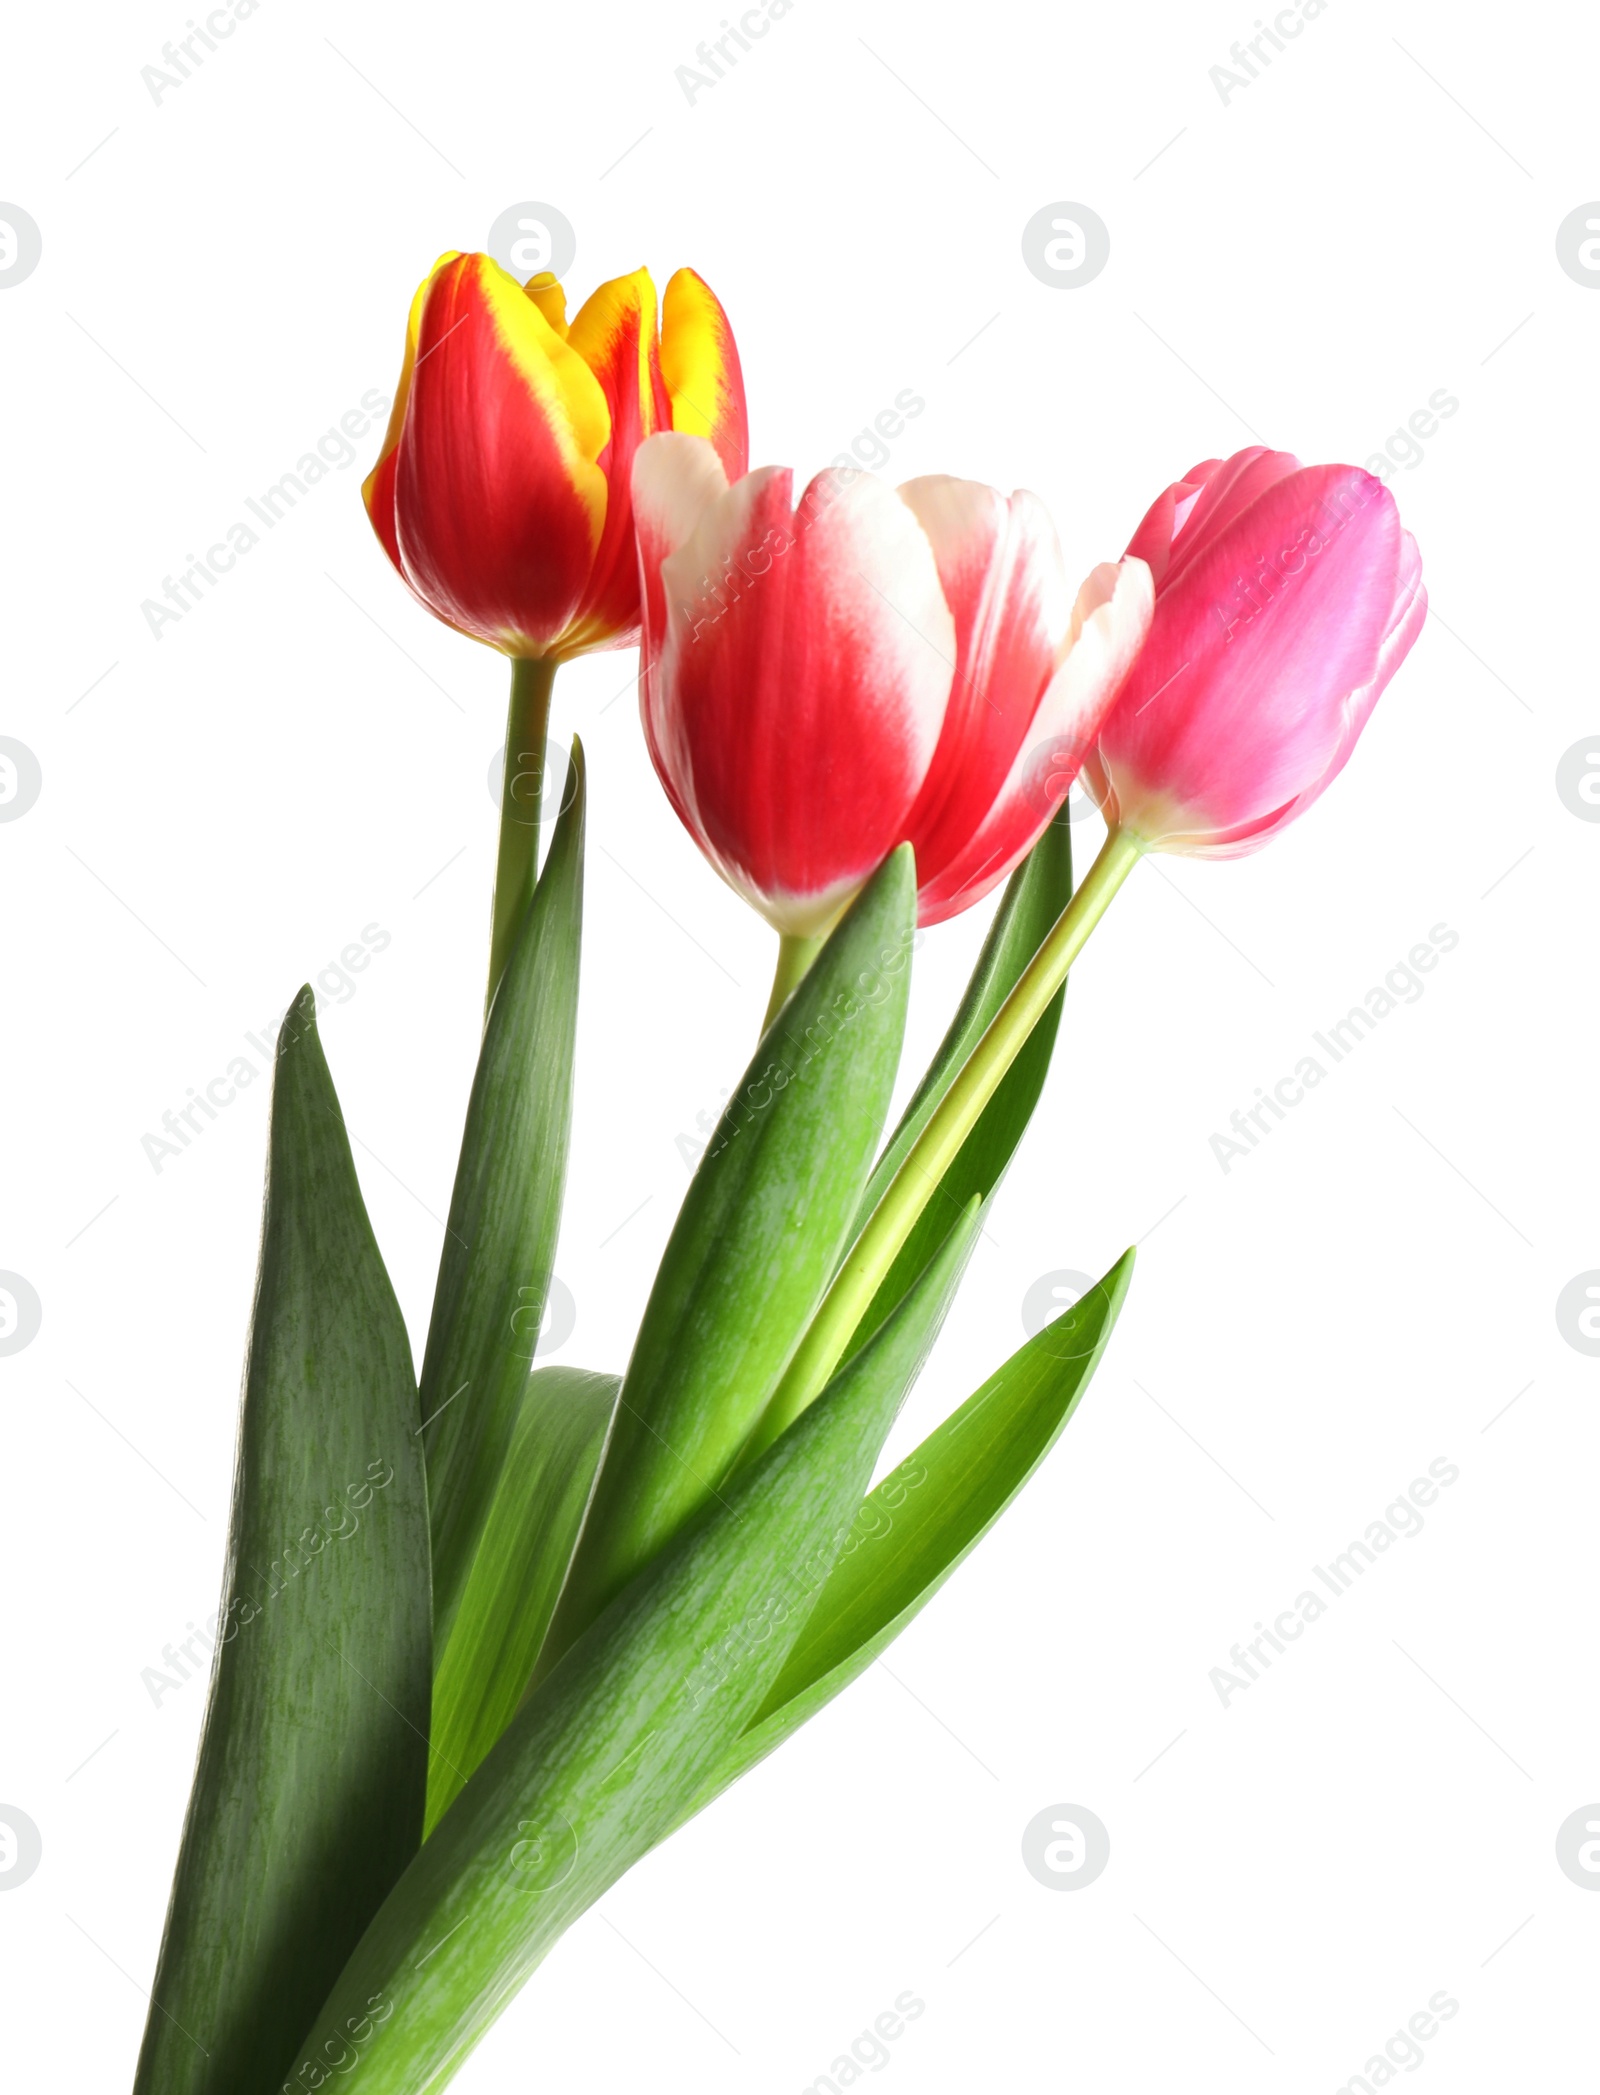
499,502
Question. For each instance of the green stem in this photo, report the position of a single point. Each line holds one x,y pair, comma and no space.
517,867
935,1149
795,956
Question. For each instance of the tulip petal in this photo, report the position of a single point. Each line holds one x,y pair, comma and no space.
797,670
1226,493
676,478
1405,623
1003,576
377,490
1166,516
676,481
499,499
547,294
700,365
614,332
1110,621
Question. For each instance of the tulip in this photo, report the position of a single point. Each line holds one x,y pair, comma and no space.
822,680
1286,598
503,490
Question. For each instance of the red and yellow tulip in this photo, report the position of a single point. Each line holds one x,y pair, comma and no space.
502,493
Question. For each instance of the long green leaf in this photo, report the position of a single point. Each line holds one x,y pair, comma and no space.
928,1515
758,1236
517,1574
307,1802
505,1211
597,1766
1035,896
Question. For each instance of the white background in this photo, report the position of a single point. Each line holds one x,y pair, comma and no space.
306,753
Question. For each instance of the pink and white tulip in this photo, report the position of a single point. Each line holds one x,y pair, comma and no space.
1286,598
821,681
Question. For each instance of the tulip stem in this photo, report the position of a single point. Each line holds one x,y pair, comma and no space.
795,956
930,1156
517,867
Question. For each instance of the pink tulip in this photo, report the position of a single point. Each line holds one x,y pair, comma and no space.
1286,598
822,681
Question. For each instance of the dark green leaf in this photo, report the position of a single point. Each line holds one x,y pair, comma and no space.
307,1802
505,1211
756,1240
516,1576
598,1765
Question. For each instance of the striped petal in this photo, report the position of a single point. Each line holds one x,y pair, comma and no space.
796,670
700,365
615,334
1109,624
500,501
1003,576
377,490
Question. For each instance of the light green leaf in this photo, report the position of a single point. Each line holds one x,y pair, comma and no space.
597,1766
1035,896
516,1576
758,1236
307,1801
928,1515
505,1211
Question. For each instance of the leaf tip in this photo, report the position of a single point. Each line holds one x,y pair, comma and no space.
300,1018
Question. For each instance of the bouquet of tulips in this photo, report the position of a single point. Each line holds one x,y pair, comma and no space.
486,1641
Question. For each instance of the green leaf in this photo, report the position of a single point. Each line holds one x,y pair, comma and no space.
759,1234
928,1515
516,1576
1035,896
597,1766
307,1801
505,1211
